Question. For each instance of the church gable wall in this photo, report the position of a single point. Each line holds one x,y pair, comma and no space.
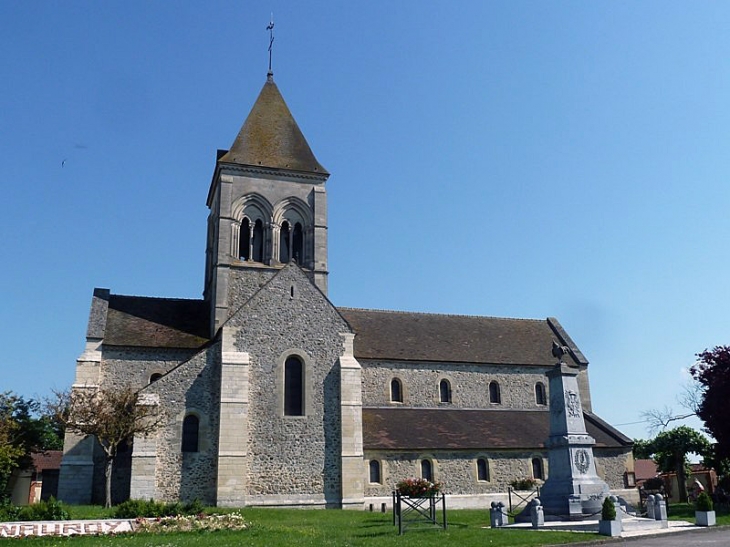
129,366
244,283
469,384
292,459
192,388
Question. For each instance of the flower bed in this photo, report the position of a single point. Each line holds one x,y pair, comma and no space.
190,523
417,488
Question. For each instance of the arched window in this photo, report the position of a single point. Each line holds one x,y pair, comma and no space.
396,391
494,395
444,391
426,470
537,471
298,244
374,471
482,470
258,241
540,398
244,240
284,243
154,377
191,427
293,387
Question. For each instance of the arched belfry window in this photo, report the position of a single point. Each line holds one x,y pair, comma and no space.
426,470
293,387
285,243
257,243
444,391
298,243
396,391
155,376
244,241
495,397
190,433
540,397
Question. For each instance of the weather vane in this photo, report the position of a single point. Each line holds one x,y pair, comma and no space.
270,28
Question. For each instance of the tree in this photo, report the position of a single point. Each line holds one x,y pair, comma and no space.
712,372
112,416
23,432
669,450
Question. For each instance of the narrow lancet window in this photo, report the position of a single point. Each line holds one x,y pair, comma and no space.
482,470
244,240
540,397
258,241
426,470
537,471
298,244
374,471
293,387
396,391
284,243
444,391
190,432
495,396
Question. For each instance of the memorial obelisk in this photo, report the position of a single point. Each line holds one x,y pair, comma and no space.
573,489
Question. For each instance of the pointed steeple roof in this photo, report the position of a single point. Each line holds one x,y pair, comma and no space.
271,138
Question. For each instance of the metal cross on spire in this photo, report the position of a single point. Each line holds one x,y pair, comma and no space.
270,28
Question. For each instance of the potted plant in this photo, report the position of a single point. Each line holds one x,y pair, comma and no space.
704,514
608,525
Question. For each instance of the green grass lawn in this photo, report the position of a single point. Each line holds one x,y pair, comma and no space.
684,511
286,527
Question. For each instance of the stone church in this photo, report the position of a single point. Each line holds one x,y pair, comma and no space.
272,395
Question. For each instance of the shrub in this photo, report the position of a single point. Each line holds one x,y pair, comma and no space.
527,483
131,509
608,510
704,502
9,512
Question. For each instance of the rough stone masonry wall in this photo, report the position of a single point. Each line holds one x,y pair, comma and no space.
469,384
120,368
132,367
612,464
291,458
456,471
190,388
243,284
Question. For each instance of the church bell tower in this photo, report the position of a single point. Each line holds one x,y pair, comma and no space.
268,207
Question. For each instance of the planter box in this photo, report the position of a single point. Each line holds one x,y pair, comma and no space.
705,518
610,528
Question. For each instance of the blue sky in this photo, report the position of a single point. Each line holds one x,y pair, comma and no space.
516,159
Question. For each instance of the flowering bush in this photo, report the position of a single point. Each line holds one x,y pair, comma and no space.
191,523
524,484
417,488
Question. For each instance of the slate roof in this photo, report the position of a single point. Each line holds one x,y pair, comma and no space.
271,138
156,322
458,429
407,336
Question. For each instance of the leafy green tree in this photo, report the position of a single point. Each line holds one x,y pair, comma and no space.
712,372
22,432
669,450
112,416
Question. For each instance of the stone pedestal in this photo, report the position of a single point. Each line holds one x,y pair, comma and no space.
573,488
